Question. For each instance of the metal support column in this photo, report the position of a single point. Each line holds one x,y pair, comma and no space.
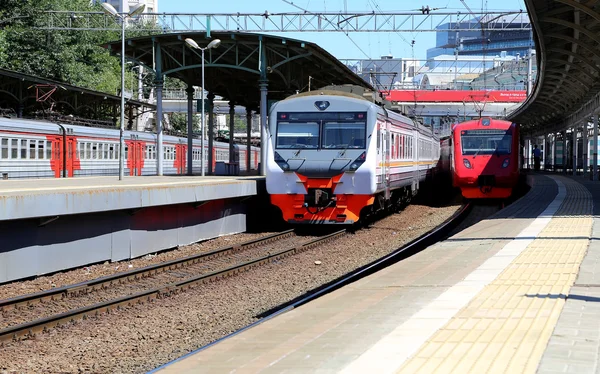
159,80
231,129
574,148
263,84
159,129
263,126
527,153
554,137
564,152
190,129
21,104
595,147
248,139
545,152
584,143
211,131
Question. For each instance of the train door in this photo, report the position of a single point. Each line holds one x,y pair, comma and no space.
71,156
140,148
56,161
134,154
180,158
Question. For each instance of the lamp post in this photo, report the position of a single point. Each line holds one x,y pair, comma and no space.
109,9
192,43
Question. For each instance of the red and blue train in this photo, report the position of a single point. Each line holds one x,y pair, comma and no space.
485,158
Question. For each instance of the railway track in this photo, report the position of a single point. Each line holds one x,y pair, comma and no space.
188,272
414,246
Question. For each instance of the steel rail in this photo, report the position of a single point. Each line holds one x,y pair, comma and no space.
134,275
32,328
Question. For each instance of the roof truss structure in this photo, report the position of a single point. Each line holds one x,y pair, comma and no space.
567,90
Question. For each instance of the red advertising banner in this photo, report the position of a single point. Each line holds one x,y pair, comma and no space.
445,96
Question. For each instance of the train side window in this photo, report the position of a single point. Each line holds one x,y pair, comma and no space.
105,146
23,149
48,150
4,153
32,149
40,149
14,148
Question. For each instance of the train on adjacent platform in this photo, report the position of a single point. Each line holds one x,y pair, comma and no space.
36,149
334,157
485,158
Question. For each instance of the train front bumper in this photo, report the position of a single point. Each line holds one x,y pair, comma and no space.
345,209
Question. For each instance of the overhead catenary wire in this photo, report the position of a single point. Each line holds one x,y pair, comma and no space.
331,23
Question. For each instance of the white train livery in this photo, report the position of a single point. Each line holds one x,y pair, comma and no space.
333,157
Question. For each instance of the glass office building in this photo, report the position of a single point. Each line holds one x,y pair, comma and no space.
490,40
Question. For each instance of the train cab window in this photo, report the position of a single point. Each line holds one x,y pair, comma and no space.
344,135
486,142
4,153
297,135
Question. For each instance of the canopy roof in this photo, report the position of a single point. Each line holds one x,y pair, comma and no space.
242,61
567,88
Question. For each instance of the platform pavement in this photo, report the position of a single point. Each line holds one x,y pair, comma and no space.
486,300
32,198
575,343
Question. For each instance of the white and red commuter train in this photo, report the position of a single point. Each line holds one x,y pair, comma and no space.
333,157
35,149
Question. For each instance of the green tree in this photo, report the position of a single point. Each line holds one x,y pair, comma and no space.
75,57
178,122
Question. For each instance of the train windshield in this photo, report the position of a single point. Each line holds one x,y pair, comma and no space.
329,130
298,135
486,142
344,135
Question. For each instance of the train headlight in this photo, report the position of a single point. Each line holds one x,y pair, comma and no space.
281,162
466,163
505,163
359,161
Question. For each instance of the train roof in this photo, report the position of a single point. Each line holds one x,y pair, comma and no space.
481,123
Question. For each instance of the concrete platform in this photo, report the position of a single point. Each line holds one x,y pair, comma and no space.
494,298
51,225
29,198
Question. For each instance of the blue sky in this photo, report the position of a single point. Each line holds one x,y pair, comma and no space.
338,44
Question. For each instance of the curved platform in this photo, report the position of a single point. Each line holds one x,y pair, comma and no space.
505,295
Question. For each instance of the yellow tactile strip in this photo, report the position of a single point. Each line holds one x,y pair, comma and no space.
506,327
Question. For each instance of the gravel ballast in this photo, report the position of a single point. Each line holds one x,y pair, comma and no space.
139,338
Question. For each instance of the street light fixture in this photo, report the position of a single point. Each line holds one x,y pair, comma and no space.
109,9
192,43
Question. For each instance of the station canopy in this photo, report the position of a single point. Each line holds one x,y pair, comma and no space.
26,95
240,63
566,93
